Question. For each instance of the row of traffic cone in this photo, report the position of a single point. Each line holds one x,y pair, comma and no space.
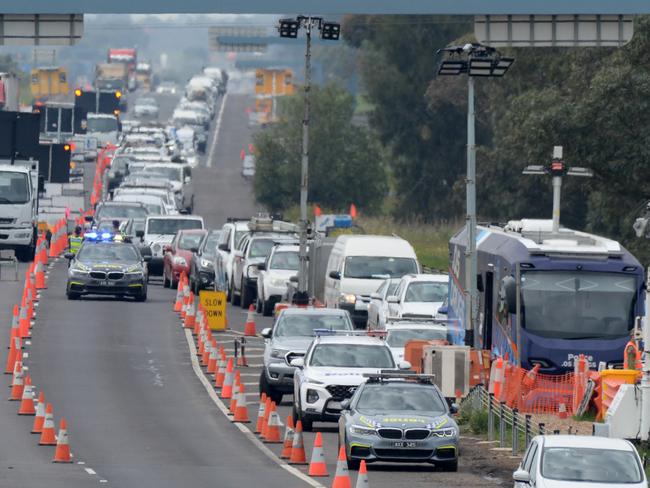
103,162
22,389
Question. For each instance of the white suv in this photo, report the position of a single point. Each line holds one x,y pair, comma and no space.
331,371
418,296
274,275
231,233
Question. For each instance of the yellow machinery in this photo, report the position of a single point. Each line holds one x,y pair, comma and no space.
269,84
49,82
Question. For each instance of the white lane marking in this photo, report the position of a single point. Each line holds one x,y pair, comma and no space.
90,471
251,437
249,374
25,355
213,147
81,462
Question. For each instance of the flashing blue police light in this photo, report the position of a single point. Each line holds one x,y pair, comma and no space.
106,235
90,235
342,221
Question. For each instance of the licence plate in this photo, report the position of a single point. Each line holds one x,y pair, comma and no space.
334,405
406,444
111,283
360,306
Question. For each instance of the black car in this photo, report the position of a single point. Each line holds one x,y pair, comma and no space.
202,264
118,170
105,267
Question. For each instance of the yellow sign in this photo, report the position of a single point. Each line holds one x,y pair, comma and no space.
214,304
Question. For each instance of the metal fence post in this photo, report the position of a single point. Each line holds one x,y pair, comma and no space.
527,431
490,410
236,349
556,432
502,424
515,431
542,428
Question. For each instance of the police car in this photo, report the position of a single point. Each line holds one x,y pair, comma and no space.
399,417
331,371
105,266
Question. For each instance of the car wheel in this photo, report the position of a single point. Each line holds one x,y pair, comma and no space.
267,308
271,392
142,297
174,284
234,298
307,424
73,296
258,305
245,296
166,282
448,466
353,464
228,290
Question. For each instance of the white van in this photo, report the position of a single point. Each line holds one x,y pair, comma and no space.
357,266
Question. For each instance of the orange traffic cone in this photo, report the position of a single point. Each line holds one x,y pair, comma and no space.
288,438
37,427
273,430
342,477
562,413
220,375
15,327
48,436
317,466
249,328
233,398
62,451
298,455
178,303
15,347
17,382
267,414
39,276
226,389
241,412
212,362
27,402
362,479
260,414
190,312
23,319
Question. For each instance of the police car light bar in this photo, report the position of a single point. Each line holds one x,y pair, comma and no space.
324,332
389,374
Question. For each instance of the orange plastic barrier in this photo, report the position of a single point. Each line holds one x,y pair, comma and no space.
414,352
610,381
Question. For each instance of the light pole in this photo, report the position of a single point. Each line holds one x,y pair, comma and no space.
482,61
328,31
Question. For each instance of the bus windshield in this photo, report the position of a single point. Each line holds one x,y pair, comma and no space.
578,305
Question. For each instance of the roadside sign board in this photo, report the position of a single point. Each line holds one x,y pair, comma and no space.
214,304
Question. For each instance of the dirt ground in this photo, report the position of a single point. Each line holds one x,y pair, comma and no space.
495,465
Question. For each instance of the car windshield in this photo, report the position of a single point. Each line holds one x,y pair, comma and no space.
285,260
121,212
154,209
189,241
377,267
399,398
110,253
210,244
578,305
173,174
171,226
590,465
399,337
14,187
352,356
238,235
291,325
426,291
120,163
102,124
260,248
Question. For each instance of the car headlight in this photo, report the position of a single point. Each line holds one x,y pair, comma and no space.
277,282
361,430
252,271
450,432
179,261
206,263
156,248
79,269
347,298
278,353
312,396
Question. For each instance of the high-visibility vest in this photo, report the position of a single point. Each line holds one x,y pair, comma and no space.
75,243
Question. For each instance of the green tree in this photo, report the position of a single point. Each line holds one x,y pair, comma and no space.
346,162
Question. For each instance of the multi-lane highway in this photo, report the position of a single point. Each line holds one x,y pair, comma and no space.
122,374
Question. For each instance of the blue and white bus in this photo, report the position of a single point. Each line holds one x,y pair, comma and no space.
546,297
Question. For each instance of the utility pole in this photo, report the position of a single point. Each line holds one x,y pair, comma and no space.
328,31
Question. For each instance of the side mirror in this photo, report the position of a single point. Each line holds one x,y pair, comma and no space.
194,249
345,404
261,266
443,310
147,258
298,362
392,299
404,365
375,296
453,408
168,248
139,233
223,247
521,476
238,254
187,179
266,333
69,255
645,462
293,279
335,275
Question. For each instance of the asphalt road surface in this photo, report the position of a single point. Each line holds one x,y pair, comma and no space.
121,373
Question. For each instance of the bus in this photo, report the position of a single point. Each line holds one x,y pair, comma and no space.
545,297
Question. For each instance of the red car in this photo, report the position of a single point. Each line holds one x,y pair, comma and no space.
178,255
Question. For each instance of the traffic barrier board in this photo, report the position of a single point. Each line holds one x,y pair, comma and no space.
214,304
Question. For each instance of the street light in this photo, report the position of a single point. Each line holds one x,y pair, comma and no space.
329,31
475,60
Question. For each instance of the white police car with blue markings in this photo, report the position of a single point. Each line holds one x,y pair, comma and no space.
330,372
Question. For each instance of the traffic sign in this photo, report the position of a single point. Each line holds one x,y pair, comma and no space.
214,304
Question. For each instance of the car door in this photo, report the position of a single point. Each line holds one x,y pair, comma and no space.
527,463
392,309
239,261
375,305
188,186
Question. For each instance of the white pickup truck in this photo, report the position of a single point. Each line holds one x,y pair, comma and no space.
19,207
